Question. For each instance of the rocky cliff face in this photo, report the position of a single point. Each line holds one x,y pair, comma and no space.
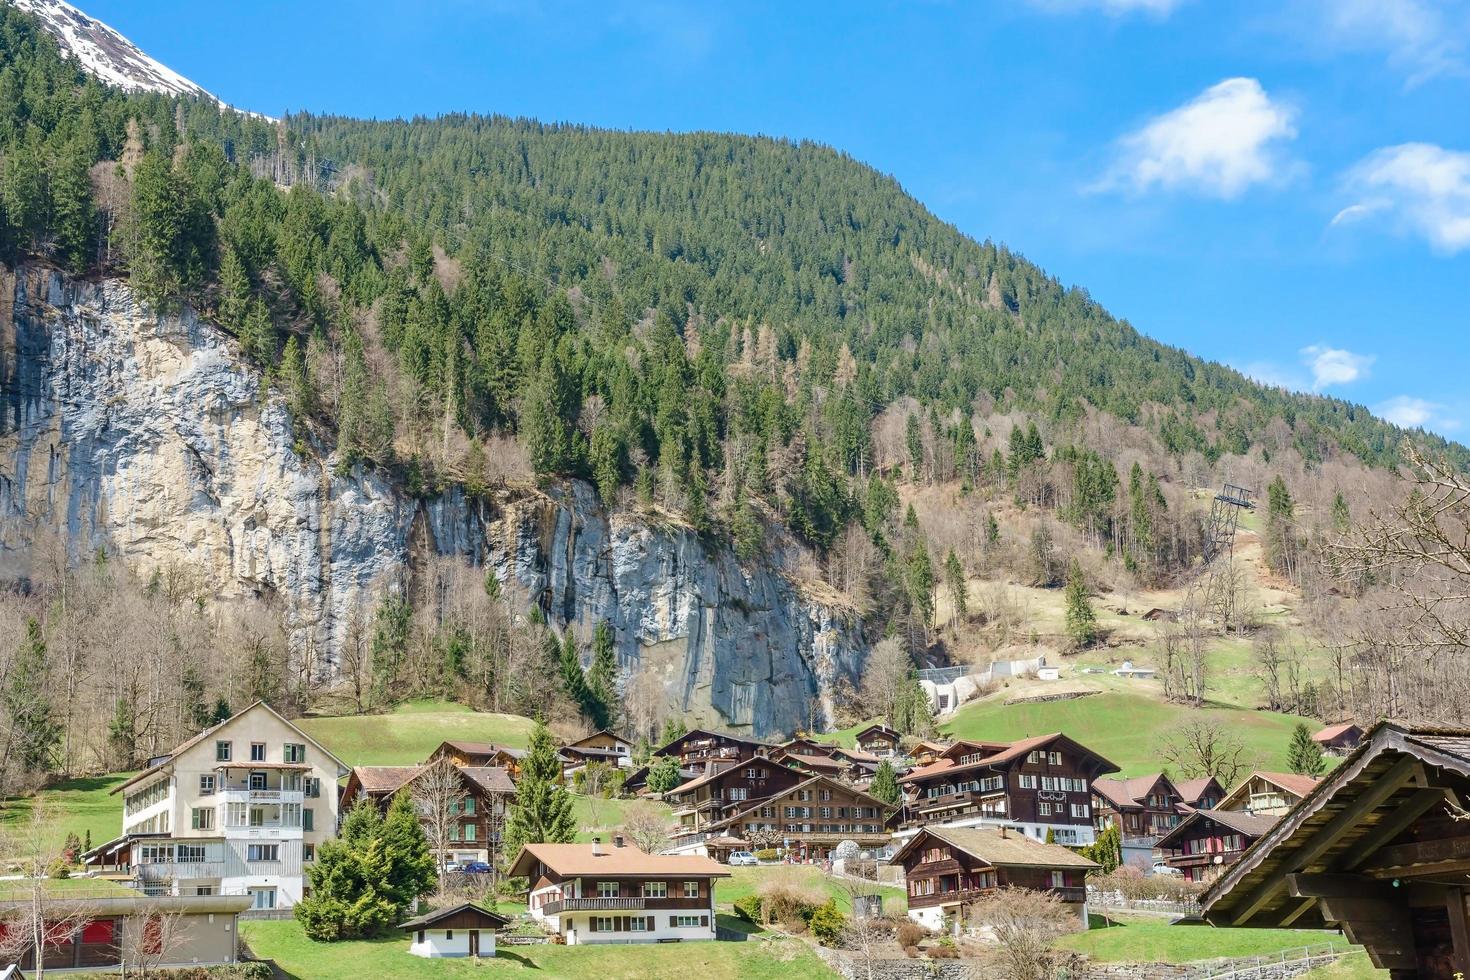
146,436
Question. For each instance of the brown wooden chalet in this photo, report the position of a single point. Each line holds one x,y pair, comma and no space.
879,740
1142,808
811,819
609,748
1201,794
727,788
946,868
813,764
475,836
806,746
927,752
1375,848
591,893
1036,785
487,754
1339,739
1207,841
860,764
1268,793
699,746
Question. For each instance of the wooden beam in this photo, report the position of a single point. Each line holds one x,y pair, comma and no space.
1459,927
1314,846
1391,826
1408,872
1335,886
1301,910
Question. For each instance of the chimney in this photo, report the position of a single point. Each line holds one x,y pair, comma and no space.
1002,837
597,847
617,840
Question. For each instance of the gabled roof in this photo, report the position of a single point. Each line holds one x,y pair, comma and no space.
493,919
481,748
814,761
1290,782
575,860
383,780
1192,789
673,747
725,770
883,808
1126,793
877,729
1333,731
189,743
1252,825
601,731
999,848
490,779
1003,753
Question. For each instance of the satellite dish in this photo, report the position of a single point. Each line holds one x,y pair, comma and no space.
1219,859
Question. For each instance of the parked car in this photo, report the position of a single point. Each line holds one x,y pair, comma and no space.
741,859
476,868
452,867
1160,868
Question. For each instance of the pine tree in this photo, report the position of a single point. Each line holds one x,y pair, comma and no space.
1342,518
885,784
73,215
959,591
573,679
158,221
663,775
921,583
602,678
352,892
1081,620
1107,849
542,812
674,729
1280,527
1304,755
412,872
34,731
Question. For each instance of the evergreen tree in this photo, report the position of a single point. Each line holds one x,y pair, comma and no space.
412,871
885,784
1342,518
542,811
1081,620
959,590
663,775
1107,849
122,734
73,215
920,575
1304,755
1280,527
602,678
391,627
674,729
352,893
34,731
573,679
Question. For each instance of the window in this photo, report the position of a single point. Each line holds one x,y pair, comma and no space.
685,921
655,889
1079,810
1033,757
605,923
1058,879
691,889
262,852
257,781
189,854
202,818
293,752
754,772
313,787
1044,809
203,889
1027,782
308,852
448,933
469,831
221,751
257,816
206,785
308,819
738,793
454,832
607,889
639,923
826,794
262,898
824,812
257,751
469,806
1055,758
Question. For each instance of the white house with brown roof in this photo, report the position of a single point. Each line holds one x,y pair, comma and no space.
239,809
1269,793
596,893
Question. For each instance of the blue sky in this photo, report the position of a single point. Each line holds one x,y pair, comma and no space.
1283,186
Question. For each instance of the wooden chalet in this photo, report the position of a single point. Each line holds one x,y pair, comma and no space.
475,836
879,740
1035,785
460,930
1268,793
805,746
1376,849
481,754
860,764
1207,841
946,868
811,819
814,765
604,746
1142,808
591,893
927,752
1201,794
1339,739
699,746
727,788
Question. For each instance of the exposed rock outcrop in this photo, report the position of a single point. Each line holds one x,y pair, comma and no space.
148,437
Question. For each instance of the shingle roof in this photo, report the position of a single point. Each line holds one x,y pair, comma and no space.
1333,731
484,748
429,918
1005,752
490,779
383,779
1192,789
573,860
1251,825
1009,850
1126,792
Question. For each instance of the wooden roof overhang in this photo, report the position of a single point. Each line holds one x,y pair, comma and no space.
1330,860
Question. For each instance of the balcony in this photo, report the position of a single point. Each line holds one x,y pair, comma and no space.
236,795
178,870
270,830
592,905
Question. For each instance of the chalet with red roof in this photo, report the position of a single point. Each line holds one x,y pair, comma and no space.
1339,739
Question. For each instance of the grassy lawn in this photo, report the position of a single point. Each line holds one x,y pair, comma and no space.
411,731
73,888
1151,938
388,959
81,805
597,817
1354,967
1122,726
743,882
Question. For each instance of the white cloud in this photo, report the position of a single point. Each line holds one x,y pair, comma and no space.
1219,143
1417,413
1334,366
1422,38
1113,8
1426,188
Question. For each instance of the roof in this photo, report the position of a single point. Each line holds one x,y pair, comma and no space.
1251,825
878,729
429,918
1347,818
1005,752
1293,783
883,808
670,748
1334,731
189,743
482,748
1192,789
723,770
814,761
376,780
1000,849
575,860
1128,792
856,755
930,743
490,779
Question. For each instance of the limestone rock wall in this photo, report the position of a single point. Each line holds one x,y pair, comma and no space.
148,437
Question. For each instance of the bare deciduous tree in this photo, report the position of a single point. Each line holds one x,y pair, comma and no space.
42,912
1024,923
647,827
439,796
1200,747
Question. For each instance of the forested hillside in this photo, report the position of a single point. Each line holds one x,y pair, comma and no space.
746,336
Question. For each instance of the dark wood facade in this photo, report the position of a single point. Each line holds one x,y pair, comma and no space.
1146,807
709,799
812,818
1206,842
699,746
879,740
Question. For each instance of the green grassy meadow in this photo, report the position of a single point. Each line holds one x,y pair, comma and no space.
1144,938
78,806
744,881
410,732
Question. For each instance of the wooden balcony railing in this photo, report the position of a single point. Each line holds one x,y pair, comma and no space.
592,905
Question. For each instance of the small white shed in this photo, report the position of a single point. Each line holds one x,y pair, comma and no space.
462,930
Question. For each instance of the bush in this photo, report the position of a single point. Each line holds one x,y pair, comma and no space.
239,971
789,899
827,923
749,908
942,952
911,951
58,869
767,854
911,934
